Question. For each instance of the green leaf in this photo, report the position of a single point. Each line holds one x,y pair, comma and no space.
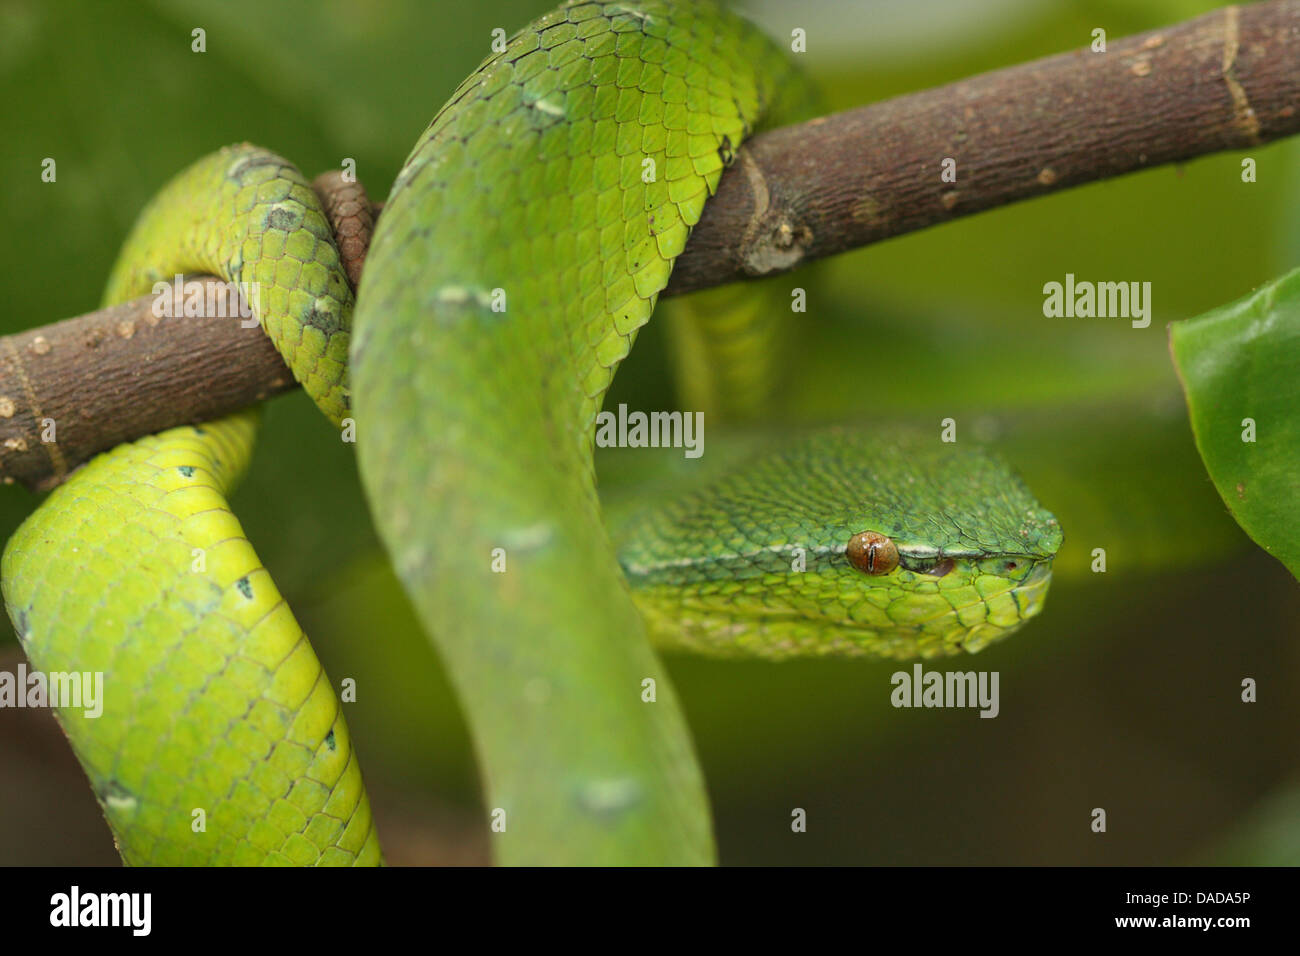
1240,369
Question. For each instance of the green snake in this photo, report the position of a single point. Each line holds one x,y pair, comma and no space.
523,245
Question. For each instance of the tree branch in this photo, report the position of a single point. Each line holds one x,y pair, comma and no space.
1226,80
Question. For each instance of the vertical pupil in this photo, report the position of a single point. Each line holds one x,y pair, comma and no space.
871,553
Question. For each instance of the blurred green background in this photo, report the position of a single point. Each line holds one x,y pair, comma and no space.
1124,694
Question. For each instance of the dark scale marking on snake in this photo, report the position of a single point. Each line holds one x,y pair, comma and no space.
282,218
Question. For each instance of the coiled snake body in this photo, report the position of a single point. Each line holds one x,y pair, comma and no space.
524,244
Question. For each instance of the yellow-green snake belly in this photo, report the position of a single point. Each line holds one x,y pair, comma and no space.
523,245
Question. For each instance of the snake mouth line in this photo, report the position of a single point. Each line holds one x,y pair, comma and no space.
919,559
913,552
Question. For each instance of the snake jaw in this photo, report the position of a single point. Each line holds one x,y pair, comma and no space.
831,611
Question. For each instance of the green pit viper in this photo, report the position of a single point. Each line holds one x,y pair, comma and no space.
522,247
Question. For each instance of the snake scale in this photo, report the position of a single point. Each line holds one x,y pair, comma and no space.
523,245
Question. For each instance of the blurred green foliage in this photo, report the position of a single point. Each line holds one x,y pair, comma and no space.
1239,365
1124,694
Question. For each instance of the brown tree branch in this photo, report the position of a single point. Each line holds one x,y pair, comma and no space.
1226,80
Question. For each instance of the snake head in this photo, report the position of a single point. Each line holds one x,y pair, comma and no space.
845,543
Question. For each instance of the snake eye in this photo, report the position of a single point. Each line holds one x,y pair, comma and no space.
872,553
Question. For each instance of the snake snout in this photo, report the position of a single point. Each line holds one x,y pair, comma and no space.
1031,591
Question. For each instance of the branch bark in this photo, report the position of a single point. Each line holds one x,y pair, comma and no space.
1226,80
